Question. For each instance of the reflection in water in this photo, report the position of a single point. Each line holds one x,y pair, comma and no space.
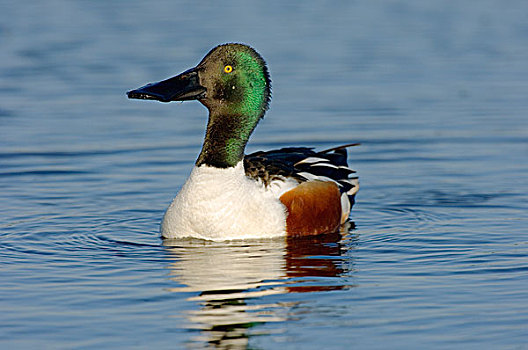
314,257
233,282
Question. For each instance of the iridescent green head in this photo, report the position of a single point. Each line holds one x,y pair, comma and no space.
236,79
233,82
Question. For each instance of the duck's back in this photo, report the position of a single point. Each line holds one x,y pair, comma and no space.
325,188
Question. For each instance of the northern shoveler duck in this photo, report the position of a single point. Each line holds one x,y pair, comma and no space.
291,191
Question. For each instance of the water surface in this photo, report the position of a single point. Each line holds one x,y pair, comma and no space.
435,92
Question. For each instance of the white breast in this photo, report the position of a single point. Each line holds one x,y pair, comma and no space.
223,204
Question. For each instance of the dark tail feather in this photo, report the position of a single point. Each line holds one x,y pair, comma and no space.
340,147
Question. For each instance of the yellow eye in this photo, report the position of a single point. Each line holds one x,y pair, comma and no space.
228,69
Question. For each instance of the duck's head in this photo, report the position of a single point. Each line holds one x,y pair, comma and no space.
232,79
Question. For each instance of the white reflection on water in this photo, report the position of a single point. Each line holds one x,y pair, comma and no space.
233,282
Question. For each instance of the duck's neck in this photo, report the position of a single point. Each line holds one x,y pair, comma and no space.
225,140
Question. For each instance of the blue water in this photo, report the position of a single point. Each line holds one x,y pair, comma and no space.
436,92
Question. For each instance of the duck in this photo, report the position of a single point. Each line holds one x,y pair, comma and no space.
292,191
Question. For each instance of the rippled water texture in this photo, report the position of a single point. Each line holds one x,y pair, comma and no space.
436,92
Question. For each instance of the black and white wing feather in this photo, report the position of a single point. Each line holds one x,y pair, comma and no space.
303,164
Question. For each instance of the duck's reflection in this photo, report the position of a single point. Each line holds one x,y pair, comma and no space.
314,258
234,283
